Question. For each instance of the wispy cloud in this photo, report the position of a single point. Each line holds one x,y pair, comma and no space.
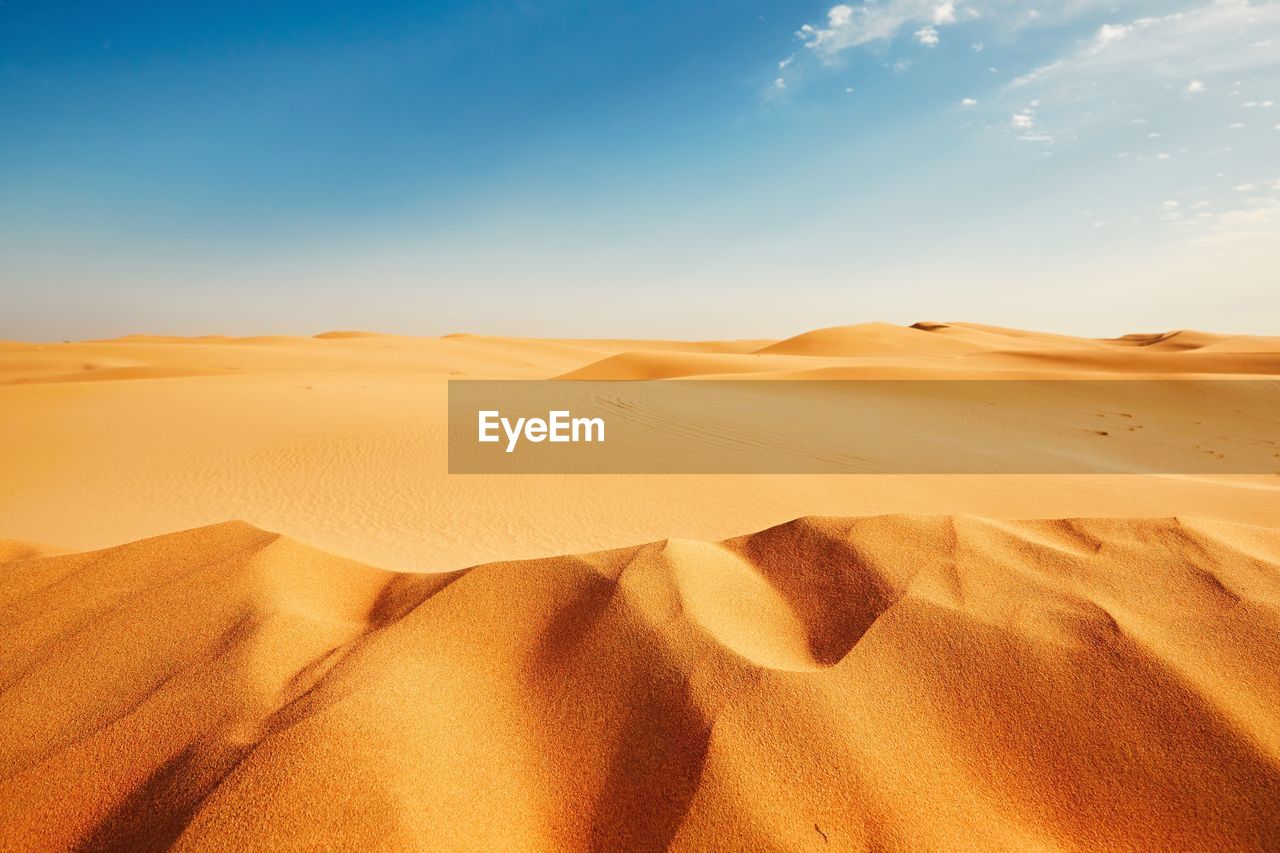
1183,68
1182,91
848,27
1198,40
1255,223
1187,48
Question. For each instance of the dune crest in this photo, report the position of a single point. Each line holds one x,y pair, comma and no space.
877,339
933,681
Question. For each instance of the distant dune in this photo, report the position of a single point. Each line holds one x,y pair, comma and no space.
871,339
339,439
899,681
918,662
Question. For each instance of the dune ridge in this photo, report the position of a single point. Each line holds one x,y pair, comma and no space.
937,675
886,681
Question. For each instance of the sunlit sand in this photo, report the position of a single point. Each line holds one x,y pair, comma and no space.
244,605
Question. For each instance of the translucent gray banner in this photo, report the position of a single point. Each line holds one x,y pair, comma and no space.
1110,426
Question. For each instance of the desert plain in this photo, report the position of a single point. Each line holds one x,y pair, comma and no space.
244,605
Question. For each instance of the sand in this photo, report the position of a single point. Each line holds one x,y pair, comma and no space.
1019,662
900,681
339,440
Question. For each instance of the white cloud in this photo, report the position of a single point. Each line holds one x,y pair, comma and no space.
1156,66
1039,74
1111,32
927,36
1171,61
1197,30
1244,188
848,27
840,16
1195,51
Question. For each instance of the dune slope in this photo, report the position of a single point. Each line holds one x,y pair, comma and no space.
941,681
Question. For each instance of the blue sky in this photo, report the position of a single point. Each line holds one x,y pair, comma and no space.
662,169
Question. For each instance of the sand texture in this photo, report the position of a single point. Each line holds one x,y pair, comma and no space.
792,662
895,681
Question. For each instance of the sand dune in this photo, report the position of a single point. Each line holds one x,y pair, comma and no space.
870,339
13,549
339,440
897,681
923,667
953,350
650,364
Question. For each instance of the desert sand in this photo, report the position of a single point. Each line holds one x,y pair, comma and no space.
339,440
315,637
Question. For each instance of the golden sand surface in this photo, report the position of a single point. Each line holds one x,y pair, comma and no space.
844,662
340,440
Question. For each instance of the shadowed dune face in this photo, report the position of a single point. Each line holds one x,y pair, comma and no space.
919,681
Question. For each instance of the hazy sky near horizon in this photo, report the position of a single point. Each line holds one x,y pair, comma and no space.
716,169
